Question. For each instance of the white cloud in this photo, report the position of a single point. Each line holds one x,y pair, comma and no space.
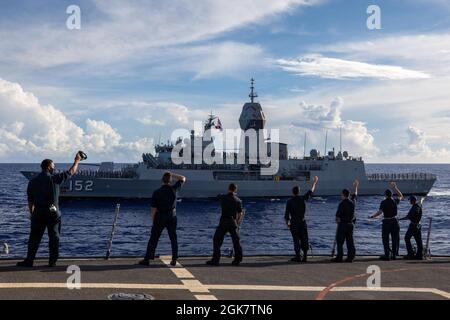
429,52
228,58
392,106
29,129
150,121
415,148
318,115
133,30
416,139
161,113
317,118
324,67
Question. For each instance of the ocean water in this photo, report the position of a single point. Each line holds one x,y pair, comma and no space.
86,224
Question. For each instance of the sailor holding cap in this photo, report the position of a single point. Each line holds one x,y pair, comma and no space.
388,208
414,229
43,194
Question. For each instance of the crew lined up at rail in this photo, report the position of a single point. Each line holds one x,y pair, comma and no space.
43,195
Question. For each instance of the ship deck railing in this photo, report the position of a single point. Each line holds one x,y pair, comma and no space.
401,176
107,174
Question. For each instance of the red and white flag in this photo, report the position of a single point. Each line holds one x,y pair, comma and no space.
219,125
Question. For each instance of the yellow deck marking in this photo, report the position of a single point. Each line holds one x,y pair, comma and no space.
183,274
195,286
205,297
179,271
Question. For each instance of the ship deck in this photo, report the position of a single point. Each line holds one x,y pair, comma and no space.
259,277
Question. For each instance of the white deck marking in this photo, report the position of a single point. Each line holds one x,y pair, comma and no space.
263,287
196,287
394,289
45,285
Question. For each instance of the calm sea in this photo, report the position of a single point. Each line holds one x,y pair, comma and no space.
86,225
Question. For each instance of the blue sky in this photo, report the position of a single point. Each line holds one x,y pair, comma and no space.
138,69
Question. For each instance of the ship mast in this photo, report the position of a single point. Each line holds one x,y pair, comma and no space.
253,94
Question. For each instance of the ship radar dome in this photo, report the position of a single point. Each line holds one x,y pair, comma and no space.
314,154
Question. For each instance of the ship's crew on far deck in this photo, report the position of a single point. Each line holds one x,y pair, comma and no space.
390,227
345,219
295,220
163,212
414,229
43,204
229,221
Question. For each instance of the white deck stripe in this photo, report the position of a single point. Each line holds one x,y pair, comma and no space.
394,289
263,287
197,287
43,285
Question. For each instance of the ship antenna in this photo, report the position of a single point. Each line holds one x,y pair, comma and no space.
340,138
304,147
252,94
326,141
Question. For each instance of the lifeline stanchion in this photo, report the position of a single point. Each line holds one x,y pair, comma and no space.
427,250
333,250
113,230
5,249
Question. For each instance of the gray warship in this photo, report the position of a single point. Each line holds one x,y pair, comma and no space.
335,171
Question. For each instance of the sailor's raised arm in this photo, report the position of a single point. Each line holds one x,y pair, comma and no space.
314,183
179,177
74,168
397,190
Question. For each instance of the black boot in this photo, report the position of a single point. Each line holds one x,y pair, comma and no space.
212,263
52,264
144,262
25,264
236,262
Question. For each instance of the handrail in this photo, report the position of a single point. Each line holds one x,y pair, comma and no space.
401,176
